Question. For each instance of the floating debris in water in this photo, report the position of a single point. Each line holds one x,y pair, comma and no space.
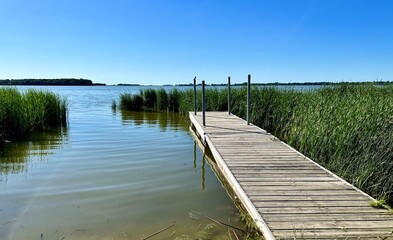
193,216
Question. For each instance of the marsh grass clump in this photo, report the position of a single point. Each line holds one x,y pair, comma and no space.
47,109
174,98
32,111
149,99
162,100
146,100
132,102
349,130
216,100
380,204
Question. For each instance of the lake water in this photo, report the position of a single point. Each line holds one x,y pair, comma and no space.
109,175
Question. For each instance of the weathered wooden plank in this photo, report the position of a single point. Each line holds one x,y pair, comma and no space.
280,172
286,175
266,161
271,218
288,188
308,183
260,158
332,225
256,153
326,234
339,238
326,192
313,210
275,198
289,178
254,171
316,204
271,165
254,146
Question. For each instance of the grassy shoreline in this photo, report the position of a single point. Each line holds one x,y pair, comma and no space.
33,111
346,128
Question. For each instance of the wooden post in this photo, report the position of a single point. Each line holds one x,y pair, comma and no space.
229,95
195,104
203,104
248,98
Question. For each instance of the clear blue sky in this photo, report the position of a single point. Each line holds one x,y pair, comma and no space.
171,41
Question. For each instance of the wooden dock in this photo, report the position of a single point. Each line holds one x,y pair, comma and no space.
288,195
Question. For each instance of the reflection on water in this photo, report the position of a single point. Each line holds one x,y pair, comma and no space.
203,172
14,156
202,167
164,120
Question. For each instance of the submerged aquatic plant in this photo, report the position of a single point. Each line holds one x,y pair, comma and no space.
114,105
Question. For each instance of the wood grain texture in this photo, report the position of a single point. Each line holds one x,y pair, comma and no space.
288,195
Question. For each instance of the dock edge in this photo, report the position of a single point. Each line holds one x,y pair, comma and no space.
242,196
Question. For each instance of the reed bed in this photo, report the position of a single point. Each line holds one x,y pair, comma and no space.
24,113
346,128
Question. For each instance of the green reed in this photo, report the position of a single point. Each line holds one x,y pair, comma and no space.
132,102
32,111
162,100
150,99
174,98
346,128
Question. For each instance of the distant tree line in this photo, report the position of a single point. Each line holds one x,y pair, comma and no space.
309,83
128,84
50,82
291,83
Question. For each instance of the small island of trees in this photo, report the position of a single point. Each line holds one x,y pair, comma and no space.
50,82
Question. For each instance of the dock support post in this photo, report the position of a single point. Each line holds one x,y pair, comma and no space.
229,95
203,104
248,98
195,104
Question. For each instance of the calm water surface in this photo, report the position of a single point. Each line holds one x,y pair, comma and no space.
109,175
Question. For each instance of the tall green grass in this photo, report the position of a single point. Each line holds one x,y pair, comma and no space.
24,113
152,100
346,128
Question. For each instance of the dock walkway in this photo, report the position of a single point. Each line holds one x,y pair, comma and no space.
288,195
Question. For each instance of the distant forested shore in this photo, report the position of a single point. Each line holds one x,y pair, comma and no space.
50,82
294,83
